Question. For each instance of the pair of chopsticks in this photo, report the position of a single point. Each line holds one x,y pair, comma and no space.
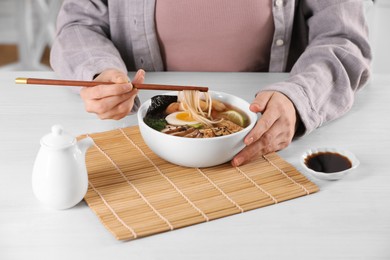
75,83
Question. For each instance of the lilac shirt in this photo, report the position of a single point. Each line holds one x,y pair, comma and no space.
323,44
201,36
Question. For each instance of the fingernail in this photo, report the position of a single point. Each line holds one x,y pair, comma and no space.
127,87
138,74
254,107
238,161
249,141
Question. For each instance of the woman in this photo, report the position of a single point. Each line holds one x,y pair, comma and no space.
323,44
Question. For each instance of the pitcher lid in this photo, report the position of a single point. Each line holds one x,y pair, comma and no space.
57,138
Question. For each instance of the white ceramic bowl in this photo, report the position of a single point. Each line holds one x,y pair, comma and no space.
197,152
334,175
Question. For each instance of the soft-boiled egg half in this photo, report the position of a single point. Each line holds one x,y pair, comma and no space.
181,118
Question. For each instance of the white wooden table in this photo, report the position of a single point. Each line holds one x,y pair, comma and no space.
347,219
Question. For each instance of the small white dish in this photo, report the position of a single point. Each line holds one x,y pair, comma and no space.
320,172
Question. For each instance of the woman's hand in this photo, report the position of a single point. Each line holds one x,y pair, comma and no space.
111,101
273,131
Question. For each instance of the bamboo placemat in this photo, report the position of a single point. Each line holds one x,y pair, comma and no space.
135,193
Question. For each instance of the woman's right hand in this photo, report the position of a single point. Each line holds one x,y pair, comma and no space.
111,101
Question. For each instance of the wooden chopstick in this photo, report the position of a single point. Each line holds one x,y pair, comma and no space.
76,83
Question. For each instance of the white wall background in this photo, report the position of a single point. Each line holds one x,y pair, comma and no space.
30,24
8,33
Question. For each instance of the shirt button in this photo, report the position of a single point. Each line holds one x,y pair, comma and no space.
279,3
279,42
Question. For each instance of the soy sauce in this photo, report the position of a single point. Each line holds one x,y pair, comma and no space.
327,162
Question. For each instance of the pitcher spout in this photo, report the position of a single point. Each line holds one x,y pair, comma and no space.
85,143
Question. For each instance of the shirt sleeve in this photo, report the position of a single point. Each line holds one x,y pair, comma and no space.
334,65
83,47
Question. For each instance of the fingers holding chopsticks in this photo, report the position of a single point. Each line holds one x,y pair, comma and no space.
111,101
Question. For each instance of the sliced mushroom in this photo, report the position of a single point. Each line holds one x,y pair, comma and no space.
220,131
232,127
207,133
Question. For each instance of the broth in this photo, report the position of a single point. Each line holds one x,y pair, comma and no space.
166,114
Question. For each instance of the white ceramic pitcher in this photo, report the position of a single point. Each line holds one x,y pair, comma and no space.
60,178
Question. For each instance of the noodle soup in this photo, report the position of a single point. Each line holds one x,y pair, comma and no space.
196,152
194,114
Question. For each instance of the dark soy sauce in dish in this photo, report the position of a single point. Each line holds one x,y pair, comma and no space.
327,162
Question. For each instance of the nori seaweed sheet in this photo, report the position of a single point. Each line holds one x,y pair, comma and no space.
159,104
155,115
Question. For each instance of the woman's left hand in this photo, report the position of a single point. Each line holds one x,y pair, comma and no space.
273,131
